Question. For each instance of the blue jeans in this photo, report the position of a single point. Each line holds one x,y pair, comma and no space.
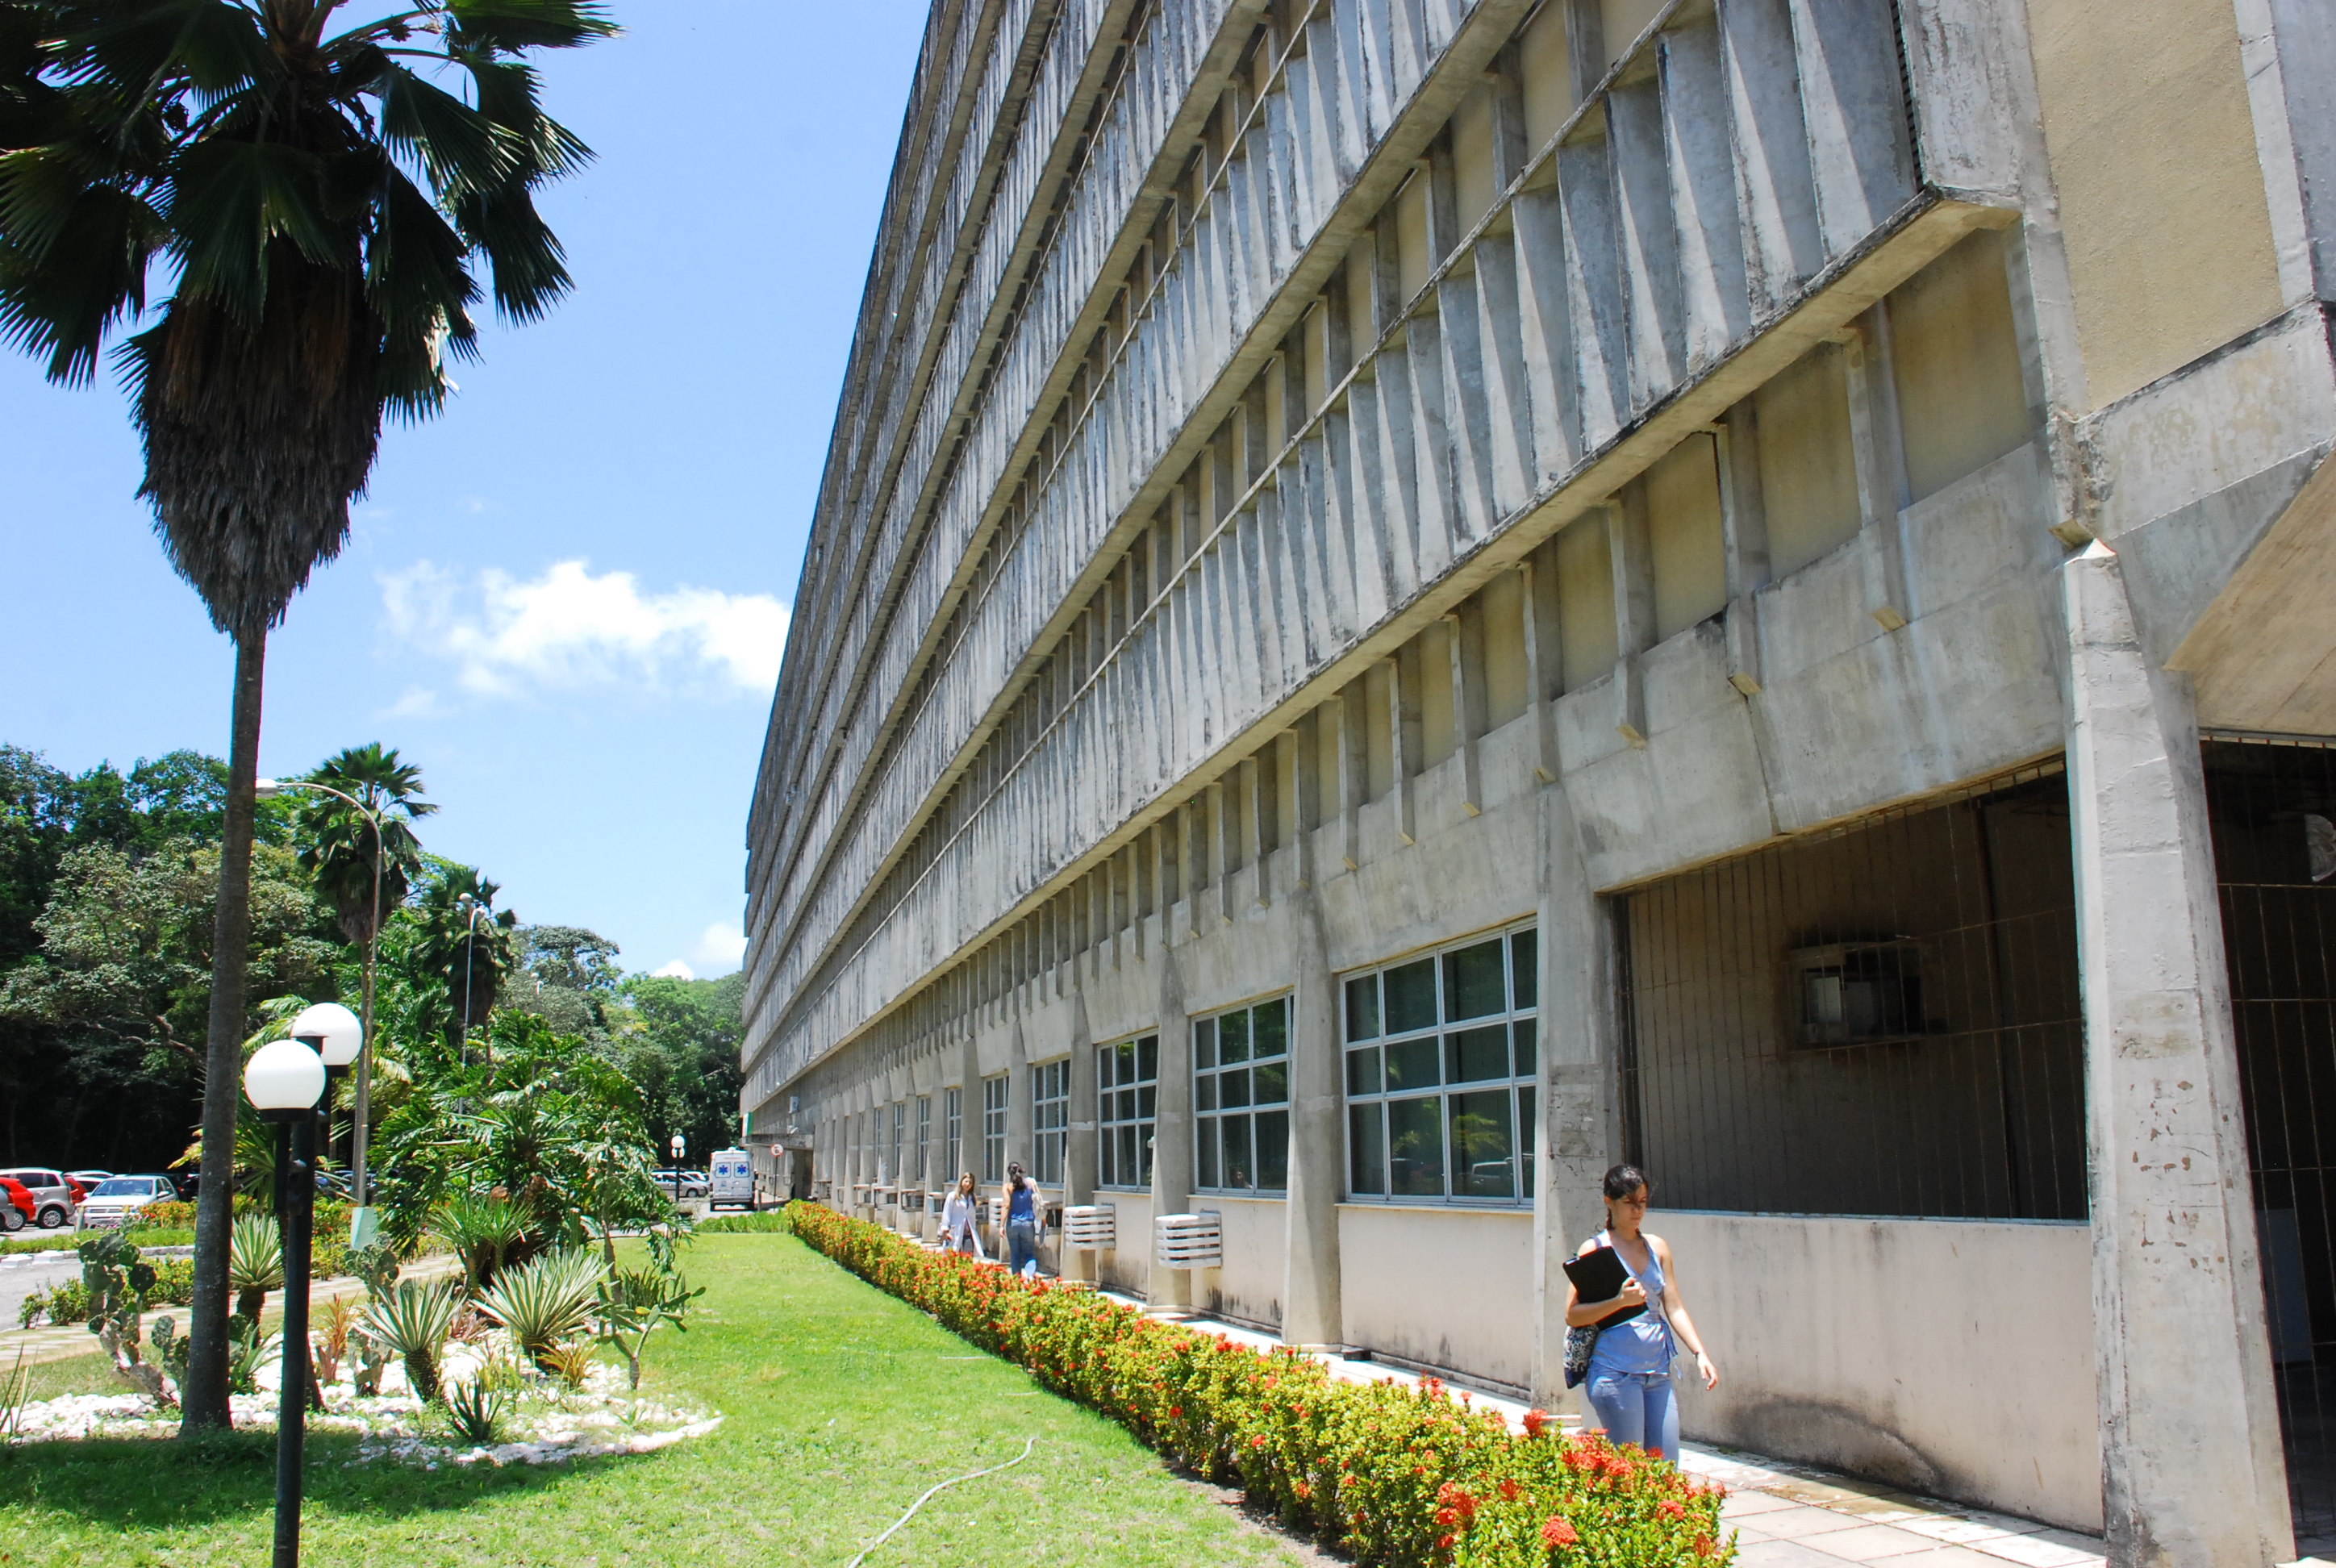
1635,1407
1021,1243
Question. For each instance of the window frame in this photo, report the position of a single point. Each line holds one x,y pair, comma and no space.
1142,1091
1050,1106
996,1100
1369,1113
952,1136
924,1140
1213,1077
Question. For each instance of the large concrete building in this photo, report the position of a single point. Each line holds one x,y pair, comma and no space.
1413,598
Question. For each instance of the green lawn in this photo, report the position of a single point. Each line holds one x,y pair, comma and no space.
842,1405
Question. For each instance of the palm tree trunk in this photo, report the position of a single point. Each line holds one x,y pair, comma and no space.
203,1397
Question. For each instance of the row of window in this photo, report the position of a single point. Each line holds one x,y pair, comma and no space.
1441,1053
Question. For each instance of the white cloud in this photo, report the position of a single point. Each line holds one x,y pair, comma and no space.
675,970
721,946
414,702
568,627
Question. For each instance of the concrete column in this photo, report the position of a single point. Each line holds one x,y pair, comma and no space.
1020,1144
1578,1133
1172,1129
2192,1470
1311,1303
969,1125
1079,1142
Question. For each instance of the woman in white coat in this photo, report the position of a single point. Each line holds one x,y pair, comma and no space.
960,1214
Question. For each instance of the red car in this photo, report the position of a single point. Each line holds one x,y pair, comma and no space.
18,1212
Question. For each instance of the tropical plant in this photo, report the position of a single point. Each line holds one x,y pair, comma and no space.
15,1392
475,1410
636,1302
464,945
337,848
481,1229
119,1283
247,1351
271,168
570,1363
255,1263
412,1322
546,1301
329,1345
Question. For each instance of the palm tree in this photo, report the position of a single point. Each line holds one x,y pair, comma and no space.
315,205
465,944
364,859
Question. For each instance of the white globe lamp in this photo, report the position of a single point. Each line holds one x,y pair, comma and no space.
332,1031
285,1079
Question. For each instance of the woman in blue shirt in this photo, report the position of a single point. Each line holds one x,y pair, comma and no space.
1024,1220
1628,1386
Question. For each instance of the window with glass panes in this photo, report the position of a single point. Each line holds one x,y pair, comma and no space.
924,1138
899,1137
1240,1098
1440,1053
1127,1091
993,1128
1050,1100
952,1137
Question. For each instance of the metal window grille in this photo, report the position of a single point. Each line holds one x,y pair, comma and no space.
1050,1100
1127,1093
952,1137
1240,1098
1441,1054
2271,807
1880,1019
924,1138
993,1128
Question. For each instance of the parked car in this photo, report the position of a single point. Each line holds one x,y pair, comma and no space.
684,1184
114,1201
733,1181
55,1196
89,1178
18,1208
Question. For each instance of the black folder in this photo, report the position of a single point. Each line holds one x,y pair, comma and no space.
1597,1277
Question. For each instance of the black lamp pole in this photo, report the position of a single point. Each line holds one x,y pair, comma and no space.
298,1212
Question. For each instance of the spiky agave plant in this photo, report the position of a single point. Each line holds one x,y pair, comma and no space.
255,1263
481,1230
412,1321
546,1301
301,210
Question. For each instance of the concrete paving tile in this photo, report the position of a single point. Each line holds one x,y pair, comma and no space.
1870,1543
1970,1530
1739,1505
1947,1557
2033,1552
1795,1523
1792,1554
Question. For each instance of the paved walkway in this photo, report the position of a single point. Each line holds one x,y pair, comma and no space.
59,1342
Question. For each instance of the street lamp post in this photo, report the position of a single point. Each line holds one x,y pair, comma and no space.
361,1218
469,960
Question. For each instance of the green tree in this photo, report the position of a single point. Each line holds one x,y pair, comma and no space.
317,200
679,1041
568,976
364,877
463,944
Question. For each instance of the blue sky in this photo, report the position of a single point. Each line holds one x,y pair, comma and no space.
565,597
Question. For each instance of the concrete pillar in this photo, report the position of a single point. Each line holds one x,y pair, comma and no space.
1172,1130
1020,1145
1311,1304
2192,1470
969,1128
1577,1135
1079,1141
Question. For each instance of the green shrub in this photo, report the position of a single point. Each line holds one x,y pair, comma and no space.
1405,1477
742,1224
413,1323
255,1263
545,1302
66,1302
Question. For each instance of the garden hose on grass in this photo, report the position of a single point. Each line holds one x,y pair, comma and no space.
920,1502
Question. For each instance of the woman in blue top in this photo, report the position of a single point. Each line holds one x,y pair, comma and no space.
1628,1386
1024,1220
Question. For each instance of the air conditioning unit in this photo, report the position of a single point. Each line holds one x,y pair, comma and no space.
1090,1228
911,1203
1857,993
1188,1240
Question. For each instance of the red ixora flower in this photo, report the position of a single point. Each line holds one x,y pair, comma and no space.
1443,1542
1257,1442
1705,1546
1509,1490
1176,1410
1536,1423
1671,1508
1555,1532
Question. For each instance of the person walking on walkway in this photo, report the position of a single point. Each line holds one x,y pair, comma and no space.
1628,1386
1025,1222
959,1231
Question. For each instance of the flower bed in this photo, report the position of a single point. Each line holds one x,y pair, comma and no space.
1394,1474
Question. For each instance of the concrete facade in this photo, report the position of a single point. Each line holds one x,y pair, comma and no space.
1333,500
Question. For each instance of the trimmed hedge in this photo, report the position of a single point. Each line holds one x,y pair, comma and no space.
1405,1477
740,1224
67,1302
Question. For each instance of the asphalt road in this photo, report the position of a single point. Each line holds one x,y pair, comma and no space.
21,1273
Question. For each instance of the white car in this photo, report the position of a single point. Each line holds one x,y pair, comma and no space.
113,1202
732,1181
